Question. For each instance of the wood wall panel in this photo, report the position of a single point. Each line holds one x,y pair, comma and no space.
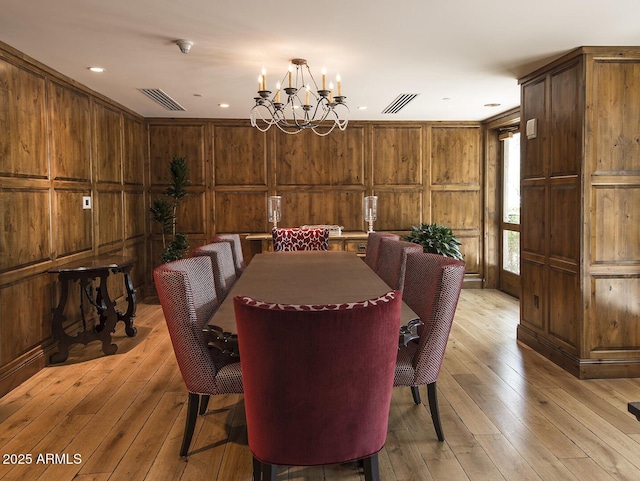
534,158
617,85
240,153
455,155
110,228
566,106
133,156
618,312
398,210
22,122
533,215
533,299
564,220
26,227
135,214
70,133
167,140
471,254
323,207
140,271
564,299
457,209
241,212
616,224
73,223
397,155
108,143
25,314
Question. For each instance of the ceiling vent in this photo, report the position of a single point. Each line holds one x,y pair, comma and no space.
399,103
163,99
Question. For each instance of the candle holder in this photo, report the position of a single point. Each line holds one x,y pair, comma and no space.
370,210
274,209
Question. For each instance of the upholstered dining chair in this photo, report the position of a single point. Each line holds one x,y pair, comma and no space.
224,270
392,258
186,292
236,249
373,246
318,399
431,289
300,239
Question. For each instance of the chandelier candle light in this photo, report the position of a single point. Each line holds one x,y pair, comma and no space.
321,111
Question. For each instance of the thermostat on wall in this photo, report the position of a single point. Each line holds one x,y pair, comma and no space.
532,128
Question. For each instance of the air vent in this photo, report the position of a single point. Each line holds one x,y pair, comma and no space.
399,103
163,99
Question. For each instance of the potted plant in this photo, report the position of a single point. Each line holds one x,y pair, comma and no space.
435,239
164,211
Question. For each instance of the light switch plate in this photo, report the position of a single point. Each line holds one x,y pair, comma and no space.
532,128
86,202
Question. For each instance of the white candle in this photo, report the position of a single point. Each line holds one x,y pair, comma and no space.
339,89
324,78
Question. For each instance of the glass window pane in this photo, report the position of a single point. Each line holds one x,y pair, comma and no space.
511,184
511,251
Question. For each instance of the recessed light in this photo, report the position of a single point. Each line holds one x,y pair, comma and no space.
362,107
492,105
223,106
96,69
197,95
446,98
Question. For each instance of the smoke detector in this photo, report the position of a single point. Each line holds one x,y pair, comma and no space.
185,45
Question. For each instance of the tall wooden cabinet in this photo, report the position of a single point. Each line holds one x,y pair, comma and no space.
580,218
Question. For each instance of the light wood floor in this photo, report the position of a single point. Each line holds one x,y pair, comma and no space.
507,414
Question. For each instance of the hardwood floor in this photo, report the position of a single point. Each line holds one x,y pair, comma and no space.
507,414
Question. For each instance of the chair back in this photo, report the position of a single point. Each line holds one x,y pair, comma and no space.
188,299
236,249
317,379
392,260
300,239
373,246
432,289
224,270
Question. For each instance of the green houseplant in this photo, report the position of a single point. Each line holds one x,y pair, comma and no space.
435,239
164,211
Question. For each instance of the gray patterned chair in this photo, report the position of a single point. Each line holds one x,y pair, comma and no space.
186,292
236,250
431,289
224,269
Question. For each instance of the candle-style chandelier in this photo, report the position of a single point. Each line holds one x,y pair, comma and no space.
321,111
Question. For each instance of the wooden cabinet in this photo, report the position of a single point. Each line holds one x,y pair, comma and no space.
347,241
580,230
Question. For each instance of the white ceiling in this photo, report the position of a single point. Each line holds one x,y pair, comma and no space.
469,51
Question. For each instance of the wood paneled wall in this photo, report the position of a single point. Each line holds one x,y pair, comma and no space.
580,225
421,172
59,142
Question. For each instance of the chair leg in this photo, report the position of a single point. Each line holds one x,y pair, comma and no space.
269,472
192,414
416,394
433,407
204,402
371,469
257,469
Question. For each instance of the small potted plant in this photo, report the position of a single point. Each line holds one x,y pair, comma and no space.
164,211
435,239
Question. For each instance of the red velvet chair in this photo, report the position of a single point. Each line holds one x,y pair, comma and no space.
236,249
373,246
317,381
431,289
186,292
392,259
300,239
224,269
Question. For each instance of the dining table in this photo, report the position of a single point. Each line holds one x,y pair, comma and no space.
304,277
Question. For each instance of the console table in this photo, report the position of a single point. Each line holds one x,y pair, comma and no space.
84,271
347,241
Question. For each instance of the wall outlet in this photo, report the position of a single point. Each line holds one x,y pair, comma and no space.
86,202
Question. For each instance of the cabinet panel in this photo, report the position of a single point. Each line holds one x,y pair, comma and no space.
566,121
26,228
397,155
564,221
239,156
22,123
564,307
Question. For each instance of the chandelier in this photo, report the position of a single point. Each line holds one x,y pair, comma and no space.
321,111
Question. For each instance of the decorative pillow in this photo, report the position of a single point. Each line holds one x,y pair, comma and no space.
389,296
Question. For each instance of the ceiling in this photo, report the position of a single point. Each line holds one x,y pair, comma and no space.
457,54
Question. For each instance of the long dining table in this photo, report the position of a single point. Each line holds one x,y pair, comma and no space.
304,277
